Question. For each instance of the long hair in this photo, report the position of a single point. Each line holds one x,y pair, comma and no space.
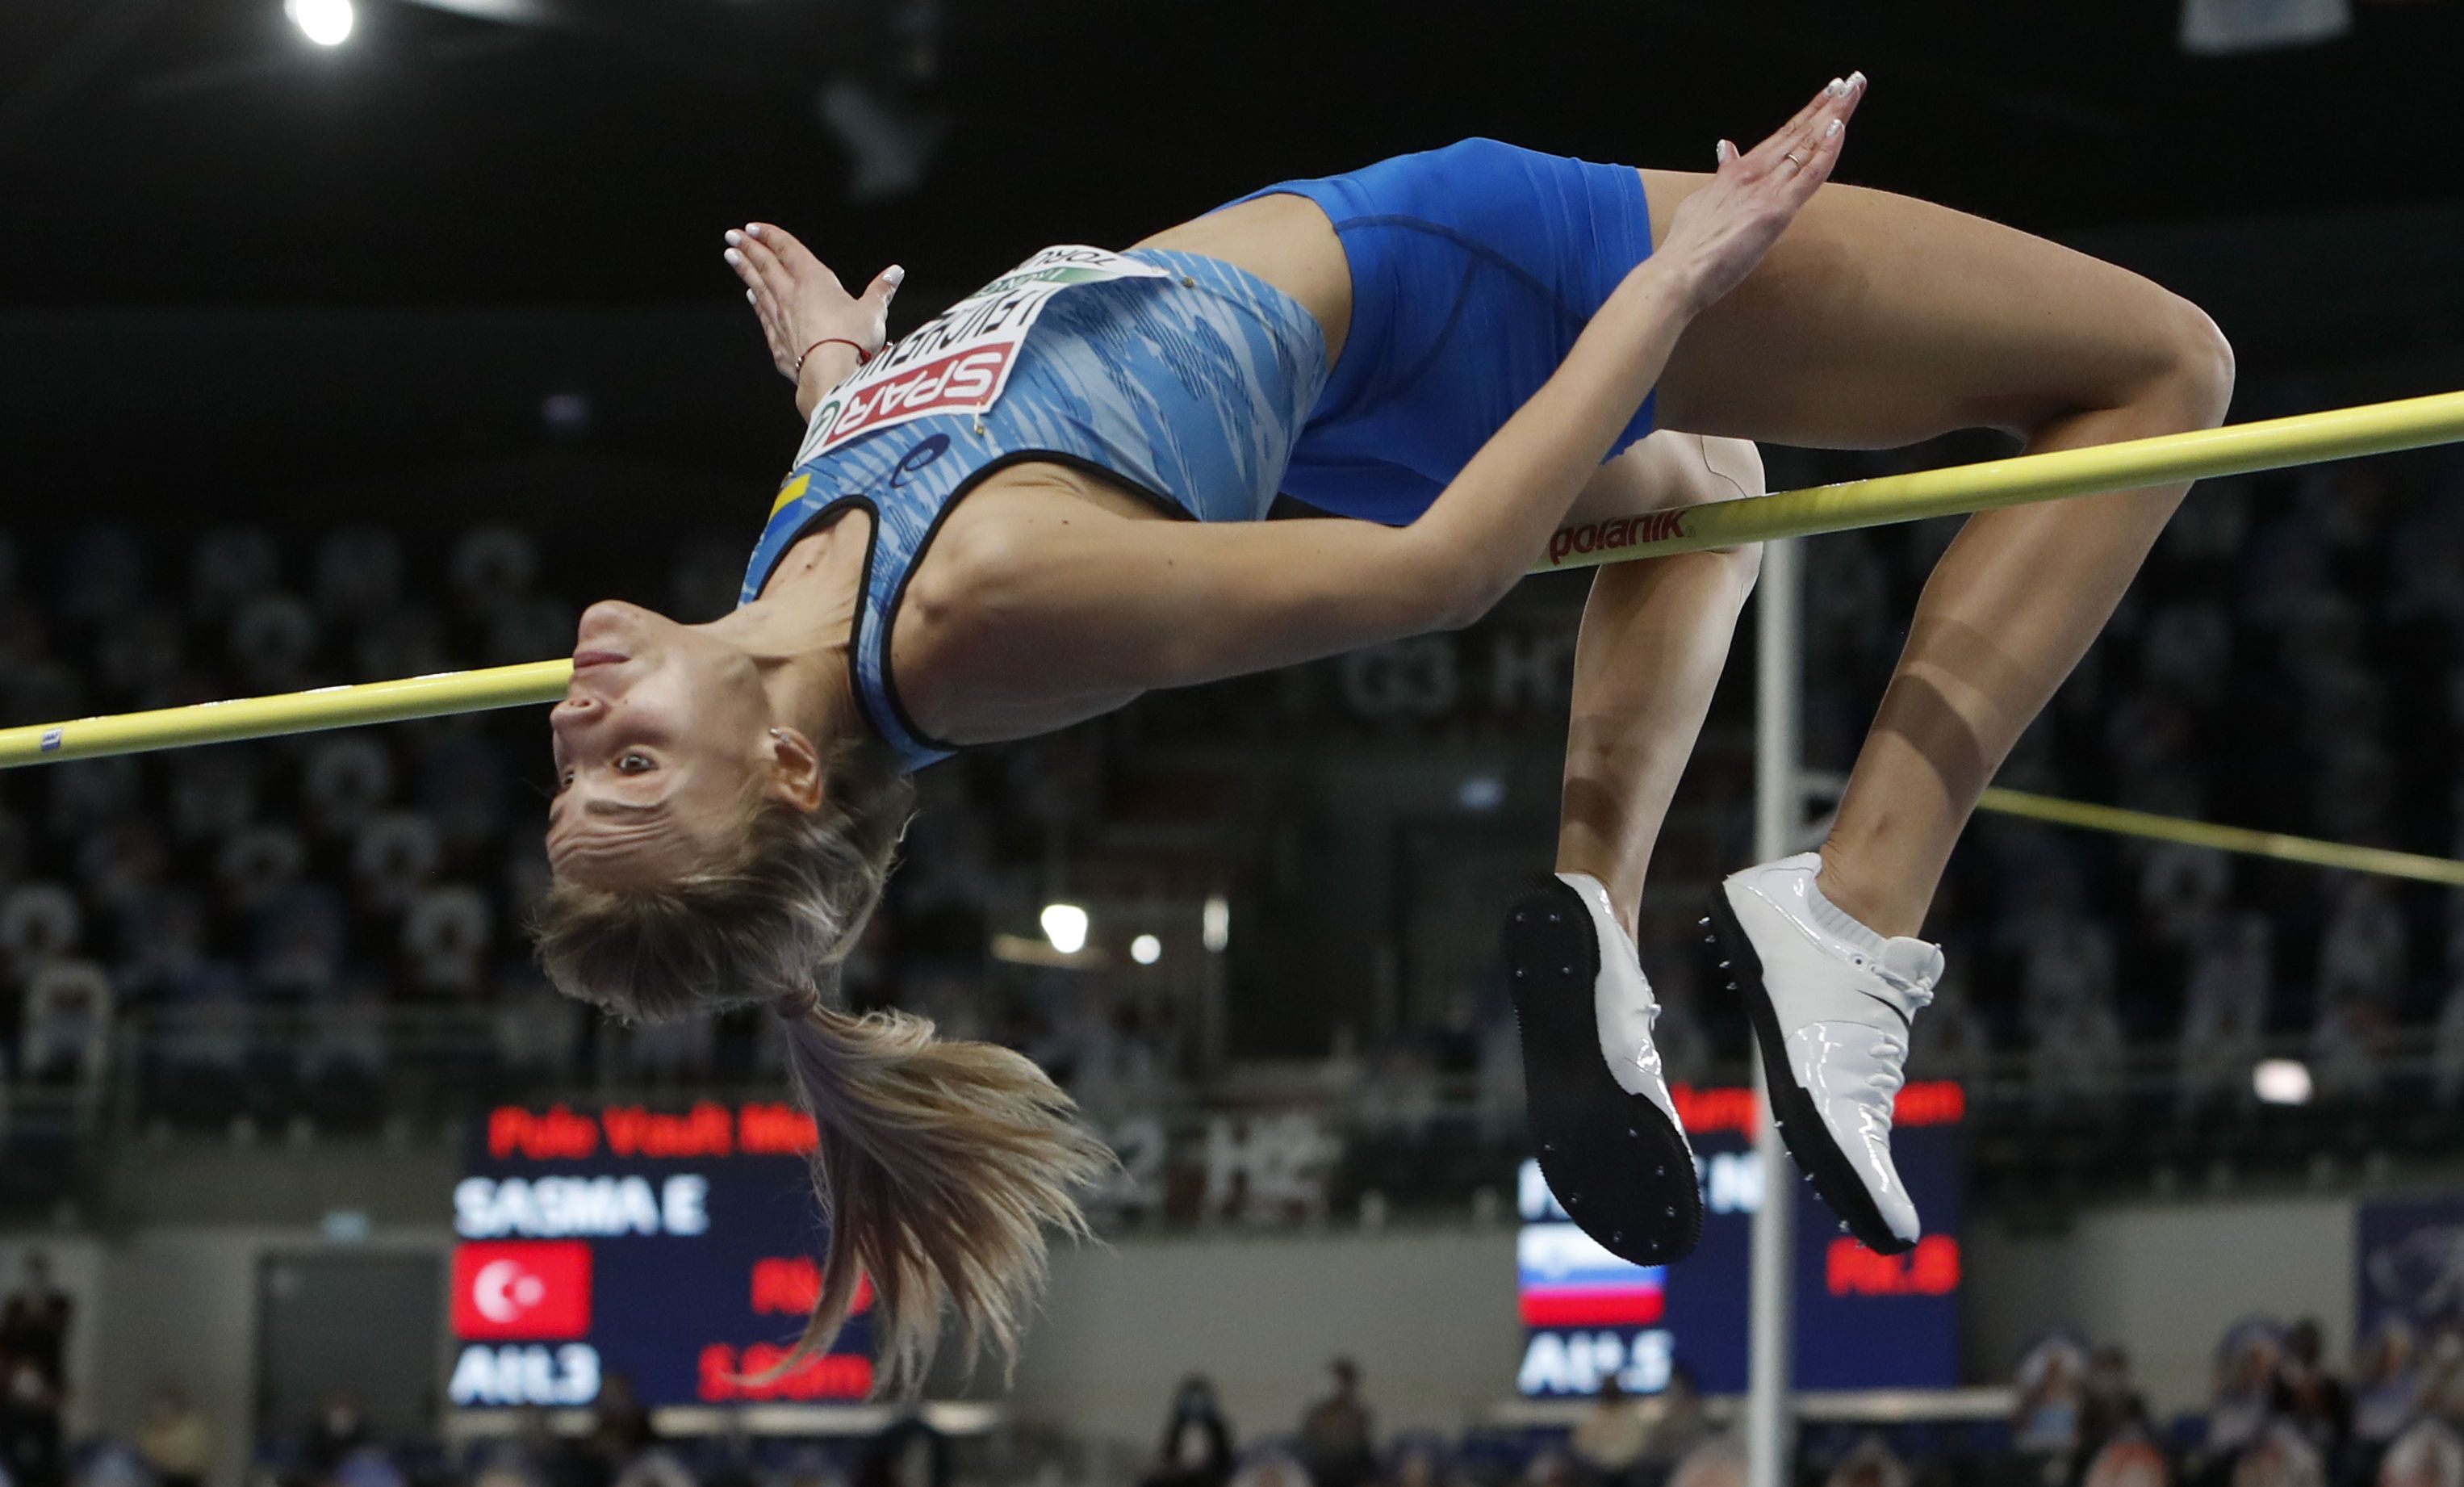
938,1163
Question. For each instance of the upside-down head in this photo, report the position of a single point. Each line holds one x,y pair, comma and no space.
708,855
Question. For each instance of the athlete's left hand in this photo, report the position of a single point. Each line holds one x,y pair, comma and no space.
800,301
1719,233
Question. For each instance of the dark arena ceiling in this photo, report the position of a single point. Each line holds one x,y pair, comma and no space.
589,152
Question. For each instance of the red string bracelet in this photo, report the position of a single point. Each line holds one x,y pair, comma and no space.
862,356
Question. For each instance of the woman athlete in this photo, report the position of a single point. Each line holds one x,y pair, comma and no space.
1466,350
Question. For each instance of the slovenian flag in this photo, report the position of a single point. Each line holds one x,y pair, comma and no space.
1568,1280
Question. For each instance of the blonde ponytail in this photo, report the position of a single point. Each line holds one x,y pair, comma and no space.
939,1163
939,1166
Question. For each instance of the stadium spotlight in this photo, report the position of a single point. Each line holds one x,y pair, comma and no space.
1146,949
2280,1081
324,22
1216,927
1065,924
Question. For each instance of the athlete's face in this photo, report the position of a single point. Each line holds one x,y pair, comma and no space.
659,744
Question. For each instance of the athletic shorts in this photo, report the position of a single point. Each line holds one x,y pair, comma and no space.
1473,269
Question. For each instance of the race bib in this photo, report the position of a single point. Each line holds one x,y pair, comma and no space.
959,360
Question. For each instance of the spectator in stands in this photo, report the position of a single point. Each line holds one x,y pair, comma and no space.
1337,1438
1547,1469
175,1441
2050,1394
1869,1463
2111,1407
1274,1468
622,1428
2128,1462
337,1430
2442,1376
2306,1393
1714,1463
2387,1387
2226,1011
659,1467
30,1426
2245,1388
68,1020
1420,1461
369,1466
35,1323
1197,1441
2430,1454
2279,1457
1608,1440
1680,1426
2447,1052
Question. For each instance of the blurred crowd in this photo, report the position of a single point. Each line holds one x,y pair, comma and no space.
2282,1413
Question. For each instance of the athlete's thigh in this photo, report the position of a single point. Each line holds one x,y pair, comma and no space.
1879,320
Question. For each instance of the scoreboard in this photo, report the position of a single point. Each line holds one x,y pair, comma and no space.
677,1248
1862,1320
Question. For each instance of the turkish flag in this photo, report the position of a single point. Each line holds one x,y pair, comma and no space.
521,1291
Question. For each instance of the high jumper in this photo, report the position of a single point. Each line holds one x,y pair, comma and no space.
1051,499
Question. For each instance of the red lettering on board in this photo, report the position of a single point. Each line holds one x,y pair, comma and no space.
726,1374
557,1135
775,1130
1930,1269
705,1131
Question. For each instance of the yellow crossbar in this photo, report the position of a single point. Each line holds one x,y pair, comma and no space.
2235,449
2238,449
2225,838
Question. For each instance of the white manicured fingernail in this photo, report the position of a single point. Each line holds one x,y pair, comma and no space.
893,276
753,230
1856,79
734,236
1834,129
1838,87
749,297
733,256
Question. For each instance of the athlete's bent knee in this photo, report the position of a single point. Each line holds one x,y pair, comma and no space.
1737,468
2200,372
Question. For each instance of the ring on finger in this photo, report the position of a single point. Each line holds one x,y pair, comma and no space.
1796,160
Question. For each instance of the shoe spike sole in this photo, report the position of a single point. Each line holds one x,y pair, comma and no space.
1618,1165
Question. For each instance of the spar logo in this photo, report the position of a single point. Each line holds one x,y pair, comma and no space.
1651,527
521,1291
966,379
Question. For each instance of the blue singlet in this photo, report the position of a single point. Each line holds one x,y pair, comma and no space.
1473,270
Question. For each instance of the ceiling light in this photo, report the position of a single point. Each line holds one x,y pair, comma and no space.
2281,1081
324,22
1065,924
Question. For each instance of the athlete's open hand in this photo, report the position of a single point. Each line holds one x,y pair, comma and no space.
800,301
1717,234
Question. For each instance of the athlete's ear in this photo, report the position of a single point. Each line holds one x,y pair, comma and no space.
793,771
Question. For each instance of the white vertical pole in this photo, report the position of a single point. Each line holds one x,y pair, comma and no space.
1779,817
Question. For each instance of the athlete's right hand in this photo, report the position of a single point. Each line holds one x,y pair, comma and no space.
800,301
1719,233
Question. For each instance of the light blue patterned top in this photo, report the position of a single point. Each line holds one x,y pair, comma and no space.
1190,389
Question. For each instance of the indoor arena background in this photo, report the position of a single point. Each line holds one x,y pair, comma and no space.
336,363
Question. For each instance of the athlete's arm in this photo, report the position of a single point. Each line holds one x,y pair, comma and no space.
1116,604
